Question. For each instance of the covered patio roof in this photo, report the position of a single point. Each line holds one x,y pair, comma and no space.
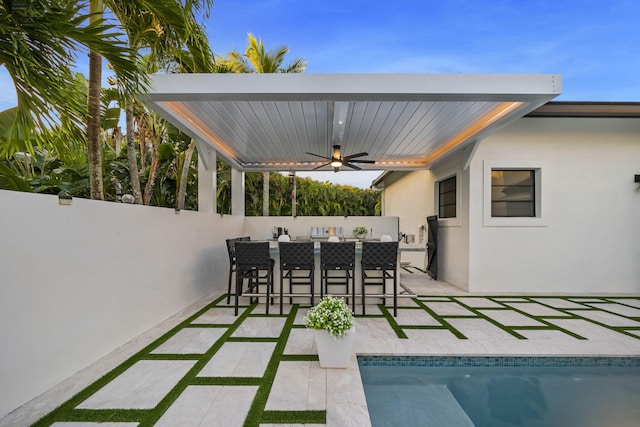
269,122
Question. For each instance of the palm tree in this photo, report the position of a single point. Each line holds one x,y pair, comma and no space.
160,25
256,59
39,43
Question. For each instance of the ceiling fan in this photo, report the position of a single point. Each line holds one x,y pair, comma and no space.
337,161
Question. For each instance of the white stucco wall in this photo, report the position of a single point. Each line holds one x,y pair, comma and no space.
78,281
409,196
588,238
453,233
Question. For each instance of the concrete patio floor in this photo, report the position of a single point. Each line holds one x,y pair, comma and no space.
206,367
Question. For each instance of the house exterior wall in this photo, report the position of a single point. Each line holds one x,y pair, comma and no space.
77,282
587,238
410,197
453,233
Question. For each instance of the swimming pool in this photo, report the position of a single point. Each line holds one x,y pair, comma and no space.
502,391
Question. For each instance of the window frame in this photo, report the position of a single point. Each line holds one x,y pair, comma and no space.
539,220
532,174
443,176
455,192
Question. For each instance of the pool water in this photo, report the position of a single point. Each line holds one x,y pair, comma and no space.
502,396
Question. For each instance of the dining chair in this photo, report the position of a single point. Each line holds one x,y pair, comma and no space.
339,258
297,266
254,263
231,251
381,258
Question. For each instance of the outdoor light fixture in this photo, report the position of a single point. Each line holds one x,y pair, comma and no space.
63,199
636,179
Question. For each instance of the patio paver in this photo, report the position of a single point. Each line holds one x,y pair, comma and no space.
266,367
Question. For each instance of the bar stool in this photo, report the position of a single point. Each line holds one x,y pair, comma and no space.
339,257
254,263
297,265
381,257
231,251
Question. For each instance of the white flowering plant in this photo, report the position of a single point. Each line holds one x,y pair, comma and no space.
332,314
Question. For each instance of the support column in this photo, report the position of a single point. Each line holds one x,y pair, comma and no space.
207,187
237,192
265,193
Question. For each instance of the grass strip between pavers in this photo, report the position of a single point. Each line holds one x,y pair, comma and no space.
392,322
257,410
494,322
549,325
67,410
257,413
191,376
299,358
294,417
441,319
574,316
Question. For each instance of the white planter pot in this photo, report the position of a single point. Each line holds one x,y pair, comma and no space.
334,353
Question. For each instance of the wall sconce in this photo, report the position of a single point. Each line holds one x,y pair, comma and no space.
636,179
63,199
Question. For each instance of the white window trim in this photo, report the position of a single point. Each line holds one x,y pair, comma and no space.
449,222
540,220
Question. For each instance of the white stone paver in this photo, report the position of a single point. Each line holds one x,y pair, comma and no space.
480,330
261,327
449,309
301,385
618,309
300,342
88,424
415,316
479,302
559,303
536,309
191,341
606,318
142,386
239,359
298,386
210,406
218,315
627,301
510,318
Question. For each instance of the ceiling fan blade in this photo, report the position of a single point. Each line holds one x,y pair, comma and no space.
318,155
321,166
362,161
353,156
349,165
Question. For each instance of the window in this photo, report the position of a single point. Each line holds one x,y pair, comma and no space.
513,193
447,198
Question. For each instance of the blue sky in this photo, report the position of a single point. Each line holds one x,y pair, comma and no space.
594,45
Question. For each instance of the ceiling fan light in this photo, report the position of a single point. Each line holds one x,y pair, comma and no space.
336,163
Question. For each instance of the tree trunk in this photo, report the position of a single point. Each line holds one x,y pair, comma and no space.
131,155
294,194
265,193
94,147
185,174
148,189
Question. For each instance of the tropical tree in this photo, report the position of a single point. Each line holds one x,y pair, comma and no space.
256,59
39,43
162,26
